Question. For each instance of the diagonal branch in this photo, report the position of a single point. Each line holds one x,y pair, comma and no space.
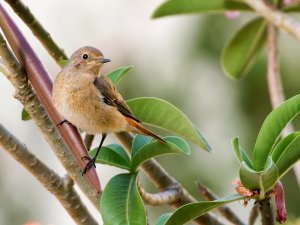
37,29
276,17
26,95
42,84
62,189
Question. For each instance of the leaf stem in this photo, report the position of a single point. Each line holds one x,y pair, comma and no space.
62,190
253,214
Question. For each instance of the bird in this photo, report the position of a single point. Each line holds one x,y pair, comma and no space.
88,99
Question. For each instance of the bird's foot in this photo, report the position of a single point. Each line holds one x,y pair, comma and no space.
89,165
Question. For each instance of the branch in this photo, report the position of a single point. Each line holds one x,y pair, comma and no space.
165,197
266,213
276,17
88,141
37,29
26,95
42,84
224,210
164,181
62,189
253,214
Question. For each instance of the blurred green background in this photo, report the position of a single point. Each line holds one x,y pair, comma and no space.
176,59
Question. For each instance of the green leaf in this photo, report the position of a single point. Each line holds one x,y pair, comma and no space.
116,75
294,8
121,203
160,113
243,48
25,115
176,7
154,148
240,153
262,180
113,155
139,141
283,144
63,62
288,157
191,211
271,130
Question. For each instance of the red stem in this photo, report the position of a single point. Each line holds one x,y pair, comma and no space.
42,84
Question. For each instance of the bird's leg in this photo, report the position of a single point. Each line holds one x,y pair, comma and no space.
92,161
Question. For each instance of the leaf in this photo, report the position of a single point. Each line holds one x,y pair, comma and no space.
283,144
240,153
139,141
116,75
154,148
288,157
191,211
63,62
25,115
294,8
113,155
272,128
121,203
262,180
160,113
243,48
176,7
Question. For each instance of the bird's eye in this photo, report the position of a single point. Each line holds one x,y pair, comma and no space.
85,56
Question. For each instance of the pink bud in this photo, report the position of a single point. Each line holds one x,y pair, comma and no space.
279,202
232,14
286,2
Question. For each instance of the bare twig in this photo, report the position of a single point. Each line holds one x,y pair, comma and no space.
62,190
265,209
224,210
275,84
42,84
88,141
28,98
37,29
276,17
253,214
164,181
168,196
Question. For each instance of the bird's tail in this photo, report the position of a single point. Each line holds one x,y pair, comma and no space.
143,130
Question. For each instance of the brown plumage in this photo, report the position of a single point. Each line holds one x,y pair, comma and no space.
89,100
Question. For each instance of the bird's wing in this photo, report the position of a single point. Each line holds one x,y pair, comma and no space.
111,96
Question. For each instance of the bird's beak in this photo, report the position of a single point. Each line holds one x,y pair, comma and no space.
104,60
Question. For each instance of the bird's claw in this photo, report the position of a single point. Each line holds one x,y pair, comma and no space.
89,165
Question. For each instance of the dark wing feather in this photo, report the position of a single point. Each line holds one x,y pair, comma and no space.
112,97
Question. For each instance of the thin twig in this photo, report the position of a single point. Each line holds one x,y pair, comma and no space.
224,210
266,212
168,196
63,191
164,181
253,214
26,95
37,29
275,84
276,17
88,141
